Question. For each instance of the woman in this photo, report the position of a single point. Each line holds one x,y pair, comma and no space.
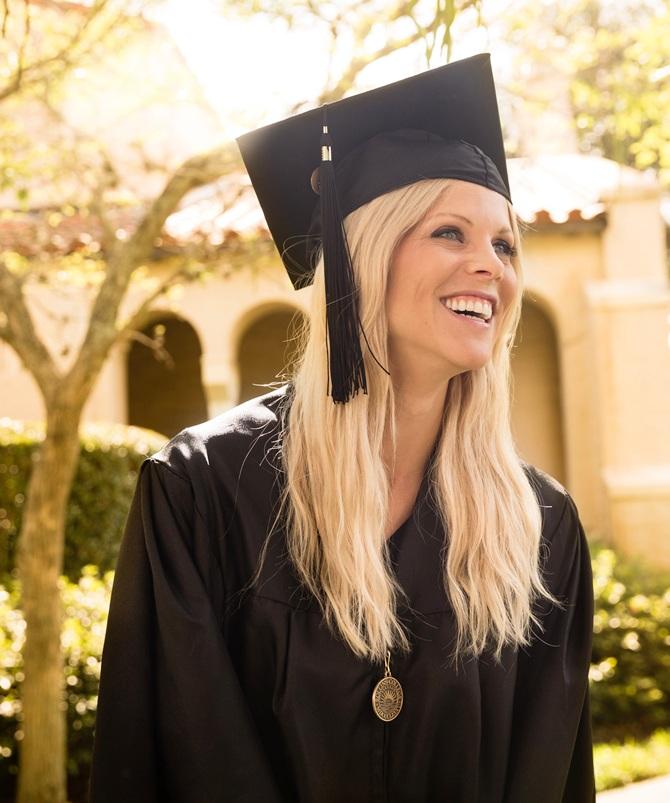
352,588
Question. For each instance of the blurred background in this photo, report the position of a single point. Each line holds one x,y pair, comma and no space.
140,292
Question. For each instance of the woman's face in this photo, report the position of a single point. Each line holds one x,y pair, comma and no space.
461,249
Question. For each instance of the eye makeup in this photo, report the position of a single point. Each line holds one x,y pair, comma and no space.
440,233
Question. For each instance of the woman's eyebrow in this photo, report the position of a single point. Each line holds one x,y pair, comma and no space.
503,230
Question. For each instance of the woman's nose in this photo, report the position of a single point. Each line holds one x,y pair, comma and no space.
487,260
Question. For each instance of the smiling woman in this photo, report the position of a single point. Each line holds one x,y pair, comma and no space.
352,588
449,284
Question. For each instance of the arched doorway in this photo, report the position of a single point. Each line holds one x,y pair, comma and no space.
266,348
537,415
165,389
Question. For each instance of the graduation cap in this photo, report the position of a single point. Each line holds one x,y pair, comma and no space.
313,169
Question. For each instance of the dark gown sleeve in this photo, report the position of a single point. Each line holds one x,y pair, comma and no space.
551,751
172,722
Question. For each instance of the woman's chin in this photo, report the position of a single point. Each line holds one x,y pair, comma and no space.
466,363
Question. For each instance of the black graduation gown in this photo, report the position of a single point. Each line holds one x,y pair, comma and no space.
208,695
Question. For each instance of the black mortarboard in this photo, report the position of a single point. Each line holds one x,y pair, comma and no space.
442,123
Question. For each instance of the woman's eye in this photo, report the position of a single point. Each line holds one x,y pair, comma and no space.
447,234
507,249
501,246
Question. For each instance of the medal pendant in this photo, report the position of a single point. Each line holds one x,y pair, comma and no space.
387,696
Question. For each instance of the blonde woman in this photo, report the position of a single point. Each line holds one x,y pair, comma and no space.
352,588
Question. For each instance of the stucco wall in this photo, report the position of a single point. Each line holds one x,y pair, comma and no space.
592,366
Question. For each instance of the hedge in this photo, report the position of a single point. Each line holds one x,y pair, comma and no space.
104,482
630,670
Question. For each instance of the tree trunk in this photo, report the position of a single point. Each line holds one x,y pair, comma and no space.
42,752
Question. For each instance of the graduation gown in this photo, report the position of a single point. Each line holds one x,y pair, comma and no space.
213,694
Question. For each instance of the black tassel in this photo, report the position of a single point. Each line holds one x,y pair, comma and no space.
347,369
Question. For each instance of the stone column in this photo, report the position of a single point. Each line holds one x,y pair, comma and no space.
630,331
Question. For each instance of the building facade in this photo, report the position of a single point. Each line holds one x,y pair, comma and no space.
591,360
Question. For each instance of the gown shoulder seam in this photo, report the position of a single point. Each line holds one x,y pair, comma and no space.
173,471
566,497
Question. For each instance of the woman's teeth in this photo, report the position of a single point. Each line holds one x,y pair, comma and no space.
477,311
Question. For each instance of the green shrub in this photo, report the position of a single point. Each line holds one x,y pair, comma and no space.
621,764
101,492
85,605
630,668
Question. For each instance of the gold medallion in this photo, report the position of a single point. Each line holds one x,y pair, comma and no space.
387,695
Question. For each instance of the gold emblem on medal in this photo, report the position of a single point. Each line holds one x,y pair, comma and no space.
387,698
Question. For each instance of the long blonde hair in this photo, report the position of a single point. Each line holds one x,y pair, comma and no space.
335,497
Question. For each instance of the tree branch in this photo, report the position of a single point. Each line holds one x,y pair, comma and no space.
347,79
24,42
406,8
18,331
107,177
139,316
127,255
195,172
26,75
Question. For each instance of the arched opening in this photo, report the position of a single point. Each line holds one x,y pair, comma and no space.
165,389
266,348
537,416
